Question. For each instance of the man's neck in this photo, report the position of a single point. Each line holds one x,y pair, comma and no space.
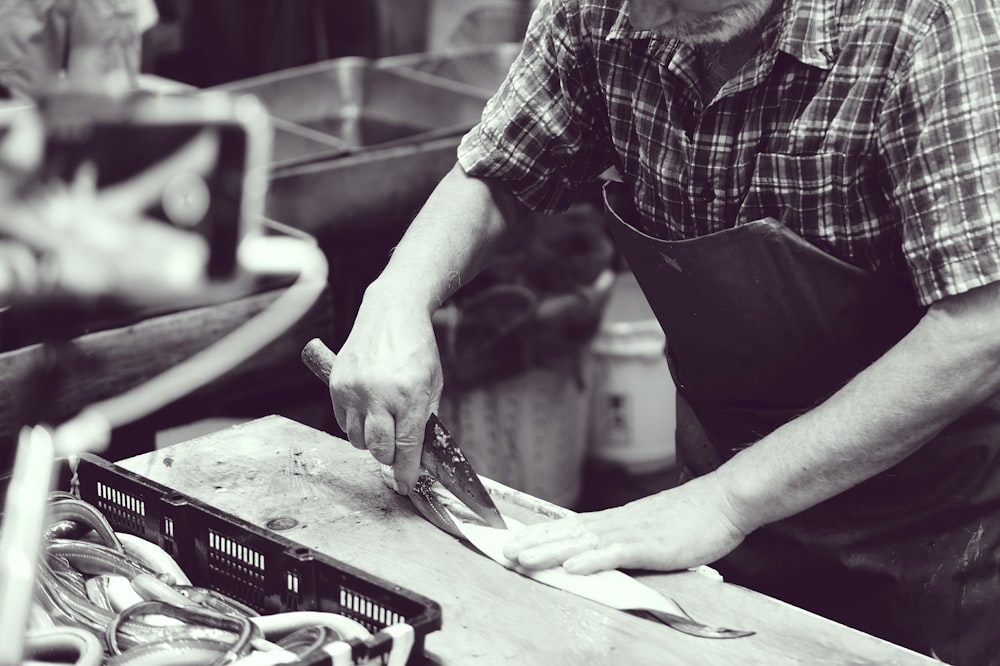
721,61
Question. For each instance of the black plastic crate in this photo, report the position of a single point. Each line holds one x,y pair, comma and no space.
264,570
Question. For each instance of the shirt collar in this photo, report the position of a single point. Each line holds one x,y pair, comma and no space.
807,32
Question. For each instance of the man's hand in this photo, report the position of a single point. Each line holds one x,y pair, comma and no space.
387,380
385,384
680,528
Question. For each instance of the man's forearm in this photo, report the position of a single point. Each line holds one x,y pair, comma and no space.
449,242
948,363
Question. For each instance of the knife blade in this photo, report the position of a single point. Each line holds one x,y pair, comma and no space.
440,455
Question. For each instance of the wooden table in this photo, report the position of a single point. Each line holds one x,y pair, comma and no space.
275,467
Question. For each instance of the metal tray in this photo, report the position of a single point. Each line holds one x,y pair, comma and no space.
483,68
381,185
344,105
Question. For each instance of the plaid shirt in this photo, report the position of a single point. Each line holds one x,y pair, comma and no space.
869,127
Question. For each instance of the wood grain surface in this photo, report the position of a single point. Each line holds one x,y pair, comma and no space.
277,468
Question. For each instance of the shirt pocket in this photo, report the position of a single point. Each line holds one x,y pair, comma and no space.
818,196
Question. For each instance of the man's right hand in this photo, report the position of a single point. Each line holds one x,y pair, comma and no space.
387,379
386,382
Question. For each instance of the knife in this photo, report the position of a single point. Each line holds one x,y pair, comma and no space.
440,456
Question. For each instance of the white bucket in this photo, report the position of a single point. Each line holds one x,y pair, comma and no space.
633,411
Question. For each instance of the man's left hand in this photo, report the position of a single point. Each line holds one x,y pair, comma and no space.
680,528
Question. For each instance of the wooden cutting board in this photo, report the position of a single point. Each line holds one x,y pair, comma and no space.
274,468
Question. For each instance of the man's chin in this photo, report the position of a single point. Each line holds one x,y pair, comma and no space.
718,29
715,33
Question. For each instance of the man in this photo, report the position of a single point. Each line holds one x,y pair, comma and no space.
808,201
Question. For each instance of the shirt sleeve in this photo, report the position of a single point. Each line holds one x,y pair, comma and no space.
940,137
543,132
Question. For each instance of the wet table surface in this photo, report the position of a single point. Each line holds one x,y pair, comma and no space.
275,469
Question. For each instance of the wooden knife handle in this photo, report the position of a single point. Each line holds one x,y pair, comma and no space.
318,358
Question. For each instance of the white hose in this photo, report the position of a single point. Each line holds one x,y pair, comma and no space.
280,624
152,556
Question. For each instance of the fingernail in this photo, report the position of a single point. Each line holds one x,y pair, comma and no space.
404,488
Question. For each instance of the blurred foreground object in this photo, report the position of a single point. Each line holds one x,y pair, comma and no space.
132,199
93,44
115,198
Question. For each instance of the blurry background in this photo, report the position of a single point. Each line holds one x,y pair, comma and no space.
555,378
208,42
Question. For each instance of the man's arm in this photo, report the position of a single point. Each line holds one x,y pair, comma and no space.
387,378
947,364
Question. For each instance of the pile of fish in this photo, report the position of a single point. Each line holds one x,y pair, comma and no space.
106,597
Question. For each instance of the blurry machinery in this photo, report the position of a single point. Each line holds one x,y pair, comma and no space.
178,216
356,190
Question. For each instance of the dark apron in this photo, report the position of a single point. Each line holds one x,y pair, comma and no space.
760,327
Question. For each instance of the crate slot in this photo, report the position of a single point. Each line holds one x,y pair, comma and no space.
129,509
167,538
291,599
369,610
236,582
226,546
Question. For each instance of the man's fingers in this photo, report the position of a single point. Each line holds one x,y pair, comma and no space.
536,535
355,429
545,545
406,466
340,415
379,435
554,553
388,443
611,556
409,444
582,544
